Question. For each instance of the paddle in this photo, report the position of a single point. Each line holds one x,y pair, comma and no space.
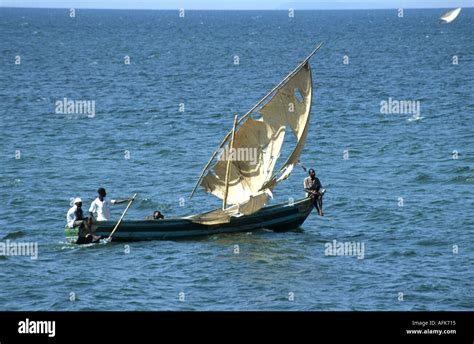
109,239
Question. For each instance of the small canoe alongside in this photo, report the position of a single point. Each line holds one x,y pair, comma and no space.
280,217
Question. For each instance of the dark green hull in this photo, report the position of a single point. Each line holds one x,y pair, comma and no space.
279,217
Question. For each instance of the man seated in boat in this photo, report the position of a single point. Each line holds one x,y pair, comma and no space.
157,215
75,219
314,189
100,207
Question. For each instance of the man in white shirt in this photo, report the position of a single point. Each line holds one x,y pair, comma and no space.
100,207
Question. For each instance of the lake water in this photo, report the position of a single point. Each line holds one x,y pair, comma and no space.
401,184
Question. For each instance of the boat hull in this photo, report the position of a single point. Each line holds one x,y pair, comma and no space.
279,217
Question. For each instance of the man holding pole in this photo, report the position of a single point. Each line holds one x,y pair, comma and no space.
100,211
314,190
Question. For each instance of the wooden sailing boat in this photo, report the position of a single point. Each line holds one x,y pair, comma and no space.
449,16
244,186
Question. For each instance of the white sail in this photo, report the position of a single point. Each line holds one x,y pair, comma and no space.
298,124
247,184
287,110
449,16
219,216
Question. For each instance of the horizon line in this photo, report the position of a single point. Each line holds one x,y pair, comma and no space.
231,9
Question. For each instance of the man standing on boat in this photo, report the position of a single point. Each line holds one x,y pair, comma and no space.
100,207
313,189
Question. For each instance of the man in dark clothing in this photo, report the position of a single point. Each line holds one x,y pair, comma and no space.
314,189
157,215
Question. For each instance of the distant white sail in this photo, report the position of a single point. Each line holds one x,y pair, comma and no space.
449,16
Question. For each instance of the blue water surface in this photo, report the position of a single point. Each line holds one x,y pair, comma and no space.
401,184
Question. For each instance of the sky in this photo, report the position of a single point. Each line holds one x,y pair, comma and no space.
238,4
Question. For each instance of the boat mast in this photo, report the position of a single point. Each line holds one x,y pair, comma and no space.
227,171
294,71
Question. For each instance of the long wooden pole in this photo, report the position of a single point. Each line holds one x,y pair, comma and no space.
121,218
227,171
294,71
